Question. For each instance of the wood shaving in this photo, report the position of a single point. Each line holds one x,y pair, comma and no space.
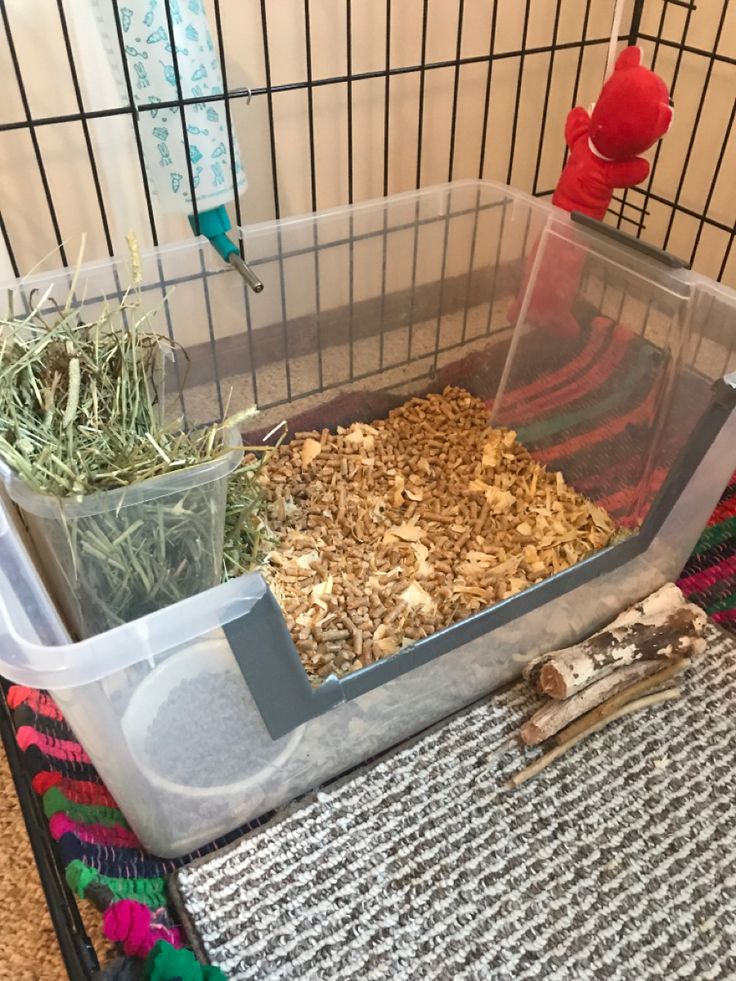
389,532
404,533
311,448
418,598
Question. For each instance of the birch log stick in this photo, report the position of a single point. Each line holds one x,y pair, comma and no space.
661,626
668,597
555,715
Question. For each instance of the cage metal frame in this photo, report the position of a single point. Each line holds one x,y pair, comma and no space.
350,79
630,208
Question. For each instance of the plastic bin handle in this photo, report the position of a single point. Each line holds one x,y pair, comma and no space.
629,241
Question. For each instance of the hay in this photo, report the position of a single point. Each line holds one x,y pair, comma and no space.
81,412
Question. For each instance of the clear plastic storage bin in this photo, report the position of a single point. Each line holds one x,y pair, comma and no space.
199,716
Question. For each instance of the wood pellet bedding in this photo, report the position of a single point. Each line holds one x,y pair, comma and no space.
386,533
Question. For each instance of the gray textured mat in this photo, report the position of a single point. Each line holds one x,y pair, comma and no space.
619,861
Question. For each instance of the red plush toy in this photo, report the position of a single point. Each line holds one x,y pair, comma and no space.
631,114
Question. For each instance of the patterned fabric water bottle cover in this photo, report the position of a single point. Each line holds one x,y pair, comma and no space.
149,55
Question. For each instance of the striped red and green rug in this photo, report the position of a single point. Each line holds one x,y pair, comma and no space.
709,578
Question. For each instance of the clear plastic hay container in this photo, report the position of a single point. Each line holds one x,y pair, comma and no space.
117,555
199,717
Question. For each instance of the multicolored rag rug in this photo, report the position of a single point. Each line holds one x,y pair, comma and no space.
102,858
583,412
709,578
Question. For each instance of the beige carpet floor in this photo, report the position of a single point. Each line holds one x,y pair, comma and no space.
28,947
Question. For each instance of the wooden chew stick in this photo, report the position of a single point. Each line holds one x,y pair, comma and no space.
555,715
531,771
611,705
661,626
665,599
676,635
533,670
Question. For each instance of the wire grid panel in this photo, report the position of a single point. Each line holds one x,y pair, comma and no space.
687,206
351,100
361,301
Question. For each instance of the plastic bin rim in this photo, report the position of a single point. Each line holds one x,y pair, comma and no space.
200,242
60,667
504,190
697,280
48,506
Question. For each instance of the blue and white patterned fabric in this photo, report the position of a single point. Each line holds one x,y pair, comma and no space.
151,72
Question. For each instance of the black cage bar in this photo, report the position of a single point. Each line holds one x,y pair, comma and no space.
522,78
526,81
538,68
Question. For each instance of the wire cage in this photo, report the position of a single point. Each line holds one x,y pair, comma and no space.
339,101
335,102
